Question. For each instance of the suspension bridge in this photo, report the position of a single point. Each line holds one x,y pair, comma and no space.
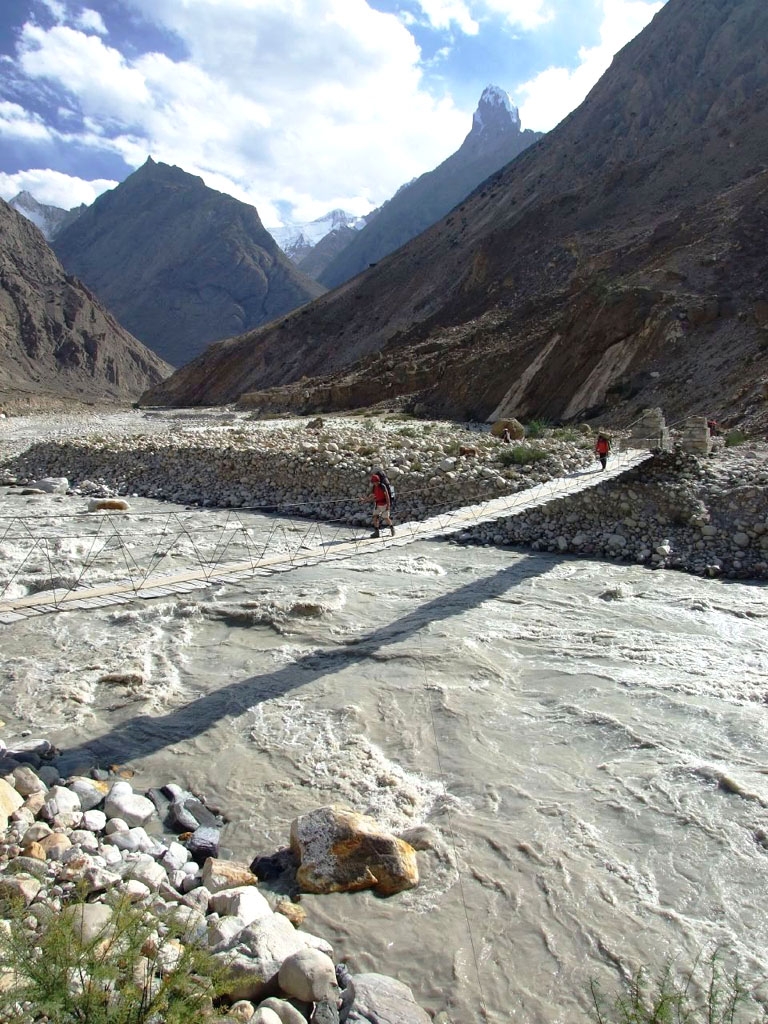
110,558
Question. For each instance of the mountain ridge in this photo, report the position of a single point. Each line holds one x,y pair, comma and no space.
56,339
495,138
180,264
575,278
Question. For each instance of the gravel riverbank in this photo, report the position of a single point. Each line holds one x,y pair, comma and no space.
705,515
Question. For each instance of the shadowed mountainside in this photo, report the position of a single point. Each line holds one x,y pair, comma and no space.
56,340
180,264
619,262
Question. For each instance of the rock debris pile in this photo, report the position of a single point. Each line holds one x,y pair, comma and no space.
90,845
705,516
317,472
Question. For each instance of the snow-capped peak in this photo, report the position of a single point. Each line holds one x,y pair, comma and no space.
495,106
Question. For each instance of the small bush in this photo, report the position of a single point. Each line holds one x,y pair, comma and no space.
567,434
407,431
703,995
536,428
124,975
522,455
734,437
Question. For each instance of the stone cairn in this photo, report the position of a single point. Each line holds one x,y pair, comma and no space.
649,431
695,437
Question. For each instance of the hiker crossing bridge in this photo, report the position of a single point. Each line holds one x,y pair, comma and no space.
220,553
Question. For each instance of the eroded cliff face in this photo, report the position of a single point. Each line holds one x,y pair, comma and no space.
55,338
620,261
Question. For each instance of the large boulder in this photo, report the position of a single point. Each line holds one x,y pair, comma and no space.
515,428
382,1000
341,851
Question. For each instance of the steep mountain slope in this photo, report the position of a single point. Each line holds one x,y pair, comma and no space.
495,138
621,261
55,338
179,263
49,219
317,257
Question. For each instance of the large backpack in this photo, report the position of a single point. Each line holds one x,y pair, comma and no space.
386,483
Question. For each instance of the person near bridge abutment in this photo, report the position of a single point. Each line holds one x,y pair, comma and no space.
382,505
602,447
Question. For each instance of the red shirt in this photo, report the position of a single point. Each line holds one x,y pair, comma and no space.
380,495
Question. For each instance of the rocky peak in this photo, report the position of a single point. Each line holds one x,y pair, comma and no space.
495,113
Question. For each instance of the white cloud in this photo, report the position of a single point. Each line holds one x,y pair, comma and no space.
18,123
283,99
53,188
91,21
56,9
523,14
442,13
548,97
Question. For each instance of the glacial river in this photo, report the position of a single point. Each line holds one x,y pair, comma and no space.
586,744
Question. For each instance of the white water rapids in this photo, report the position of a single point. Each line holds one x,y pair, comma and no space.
587,742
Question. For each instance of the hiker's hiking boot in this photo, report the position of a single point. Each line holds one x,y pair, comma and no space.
391,530
375,535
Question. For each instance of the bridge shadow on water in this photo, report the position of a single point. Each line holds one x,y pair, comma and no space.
148,734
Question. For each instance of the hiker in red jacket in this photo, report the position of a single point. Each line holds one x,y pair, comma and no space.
382,505
602,448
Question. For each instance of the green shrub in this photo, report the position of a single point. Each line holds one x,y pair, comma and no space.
407,431
734,437
521,455
123,975
567,434
536,428
703,995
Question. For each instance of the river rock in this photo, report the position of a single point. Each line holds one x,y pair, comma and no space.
226,874
286,1012
382,1000
10,801
51,484
342,851
132,808
22,887
89,920
308,975
26,781
244,902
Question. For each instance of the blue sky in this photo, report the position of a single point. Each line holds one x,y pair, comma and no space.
296,106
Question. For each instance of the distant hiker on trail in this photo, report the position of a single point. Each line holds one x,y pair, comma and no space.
714,429
506,437
382,504
602,448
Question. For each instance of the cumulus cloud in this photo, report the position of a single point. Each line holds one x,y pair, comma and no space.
444,13
283,99
91,21
18,123
53,188
548,97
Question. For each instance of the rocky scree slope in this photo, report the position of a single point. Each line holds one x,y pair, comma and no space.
180,264
618,263
56,340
